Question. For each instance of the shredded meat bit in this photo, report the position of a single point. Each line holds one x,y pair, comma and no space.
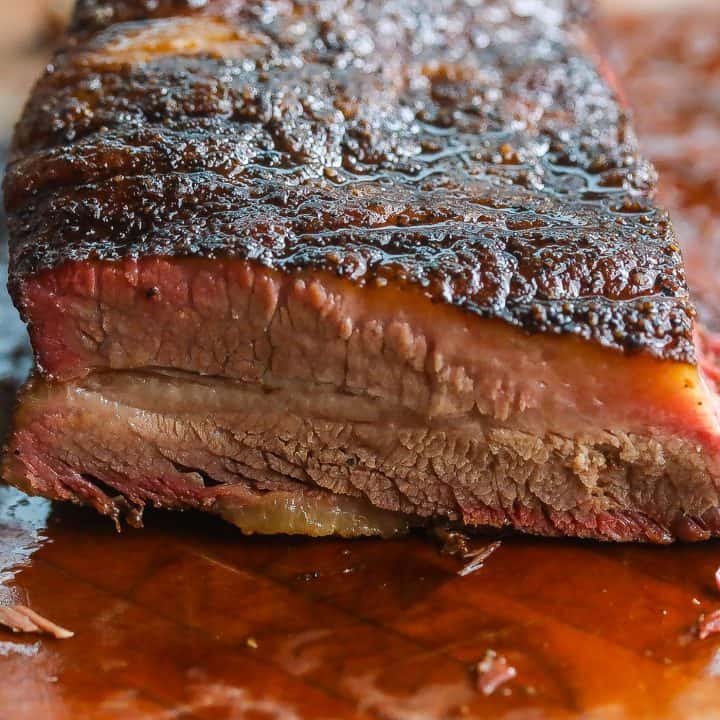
460,544
20,618
709,625
492,672
477,558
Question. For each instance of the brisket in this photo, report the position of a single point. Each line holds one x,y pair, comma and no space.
352,266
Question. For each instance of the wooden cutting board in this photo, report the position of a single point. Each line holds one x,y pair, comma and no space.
188,619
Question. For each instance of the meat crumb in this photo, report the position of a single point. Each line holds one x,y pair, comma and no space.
454,542
22,619
477,558
252,643
492,672
709,625
460,544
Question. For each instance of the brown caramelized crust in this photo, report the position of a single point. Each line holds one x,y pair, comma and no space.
474,151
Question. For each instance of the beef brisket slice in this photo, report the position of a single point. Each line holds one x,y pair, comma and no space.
350,267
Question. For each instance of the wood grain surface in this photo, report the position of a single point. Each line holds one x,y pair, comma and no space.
188,619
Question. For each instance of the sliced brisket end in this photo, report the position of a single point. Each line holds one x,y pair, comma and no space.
375,394
351,273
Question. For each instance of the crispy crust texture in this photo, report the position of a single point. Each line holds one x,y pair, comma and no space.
474,153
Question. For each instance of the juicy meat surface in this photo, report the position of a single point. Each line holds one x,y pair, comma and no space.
351,267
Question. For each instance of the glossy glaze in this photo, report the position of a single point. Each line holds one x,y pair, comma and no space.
386,630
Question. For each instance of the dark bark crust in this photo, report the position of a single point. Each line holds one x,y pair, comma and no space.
465,149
